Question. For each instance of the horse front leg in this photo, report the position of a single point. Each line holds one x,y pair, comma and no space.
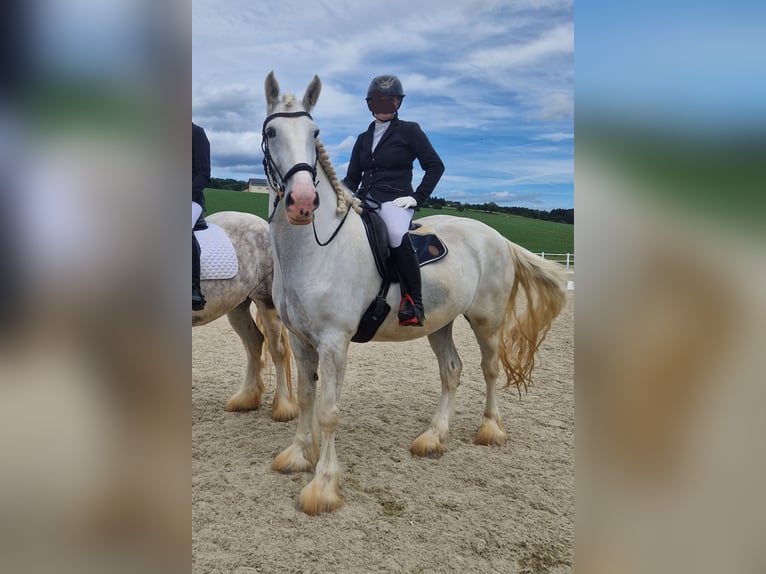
250,393
323,493
431,442
302,454
284,407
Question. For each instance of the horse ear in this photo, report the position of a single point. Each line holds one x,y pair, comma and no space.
272,91
312,94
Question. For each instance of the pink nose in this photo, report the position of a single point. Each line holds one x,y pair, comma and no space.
301,201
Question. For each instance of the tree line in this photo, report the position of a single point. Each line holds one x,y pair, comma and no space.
230,184
555,215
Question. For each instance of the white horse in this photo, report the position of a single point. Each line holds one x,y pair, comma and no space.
325,277
252,284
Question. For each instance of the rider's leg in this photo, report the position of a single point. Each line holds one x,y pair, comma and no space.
407,265
405,260
198,301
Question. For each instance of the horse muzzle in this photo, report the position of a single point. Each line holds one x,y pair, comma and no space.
300,204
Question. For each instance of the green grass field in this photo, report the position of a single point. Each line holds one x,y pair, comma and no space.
534,234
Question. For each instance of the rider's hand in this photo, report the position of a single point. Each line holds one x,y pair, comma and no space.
405,202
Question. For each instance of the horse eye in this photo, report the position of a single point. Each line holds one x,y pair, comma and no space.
270,132
316,134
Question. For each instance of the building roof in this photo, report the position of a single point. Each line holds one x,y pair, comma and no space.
257,181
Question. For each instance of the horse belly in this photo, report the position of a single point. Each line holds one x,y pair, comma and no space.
442,304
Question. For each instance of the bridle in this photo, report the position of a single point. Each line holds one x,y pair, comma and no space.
278,182
276,179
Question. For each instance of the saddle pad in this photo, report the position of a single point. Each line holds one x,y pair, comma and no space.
218,260
428,247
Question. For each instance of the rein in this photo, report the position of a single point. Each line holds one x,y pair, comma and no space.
337,229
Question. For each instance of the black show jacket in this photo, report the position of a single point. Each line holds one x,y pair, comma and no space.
387,172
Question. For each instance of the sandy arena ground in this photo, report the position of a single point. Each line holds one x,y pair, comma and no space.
506,509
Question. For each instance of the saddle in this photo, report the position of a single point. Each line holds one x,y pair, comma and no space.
428,246
429,249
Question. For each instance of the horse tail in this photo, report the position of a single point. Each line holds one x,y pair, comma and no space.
265,347
266,356
287,361
524,330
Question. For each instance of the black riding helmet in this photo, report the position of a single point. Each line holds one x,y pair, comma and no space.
381,93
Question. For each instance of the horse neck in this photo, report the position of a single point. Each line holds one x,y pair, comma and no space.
312,256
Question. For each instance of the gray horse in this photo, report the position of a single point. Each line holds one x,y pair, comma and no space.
232,297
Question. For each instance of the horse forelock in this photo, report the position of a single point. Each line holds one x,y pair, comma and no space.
289,100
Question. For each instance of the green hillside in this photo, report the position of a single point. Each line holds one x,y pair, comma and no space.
534,234
226,200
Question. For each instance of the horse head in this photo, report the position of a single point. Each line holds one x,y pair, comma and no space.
289,149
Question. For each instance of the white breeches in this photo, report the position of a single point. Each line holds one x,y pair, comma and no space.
196,212
397,221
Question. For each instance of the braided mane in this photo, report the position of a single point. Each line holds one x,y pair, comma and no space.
341,191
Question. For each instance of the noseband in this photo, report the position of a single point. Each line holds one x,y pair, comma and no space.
276,180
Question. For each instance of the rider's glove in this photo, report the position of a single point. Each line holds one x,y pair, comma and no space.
405,202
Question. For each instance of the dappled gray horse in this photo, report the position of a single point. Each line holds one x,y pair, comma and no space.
233,297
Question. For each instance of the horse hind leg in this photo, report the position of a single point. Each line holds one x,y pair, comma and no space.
284,406
431,442
491,431
250,394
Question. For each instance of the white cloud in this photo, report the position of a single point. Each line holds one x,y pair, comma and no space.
554,137
512,56
557,105
485,68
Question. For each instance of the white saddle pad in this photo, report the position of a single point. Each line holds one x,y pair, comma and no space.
218,260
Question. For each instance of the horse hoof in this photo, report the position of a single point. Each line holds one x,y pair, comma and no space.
320,497
243,402
425,446
491,433
284,411
291,460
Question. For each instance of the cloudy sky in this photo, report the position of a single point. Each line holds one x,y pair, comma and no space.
490,81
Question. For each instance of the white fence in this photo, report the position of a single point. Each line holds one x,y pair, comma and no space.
566,259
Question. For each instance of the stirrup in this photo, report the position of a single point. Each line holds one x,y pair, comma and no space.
409,314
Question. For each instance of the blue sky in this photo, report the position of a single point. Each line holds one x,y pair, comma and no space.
491,83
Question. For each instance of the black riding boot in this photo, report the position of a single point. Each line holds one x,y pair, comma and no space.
198,301
407,265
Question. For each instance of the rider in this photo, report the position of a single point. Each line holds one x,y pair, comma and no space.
200,180
381,162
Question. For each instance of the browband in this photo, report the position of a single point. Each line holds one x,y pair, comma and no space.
283,115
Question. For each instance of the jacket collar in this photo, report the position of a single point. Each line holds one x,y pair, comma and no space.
371,129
